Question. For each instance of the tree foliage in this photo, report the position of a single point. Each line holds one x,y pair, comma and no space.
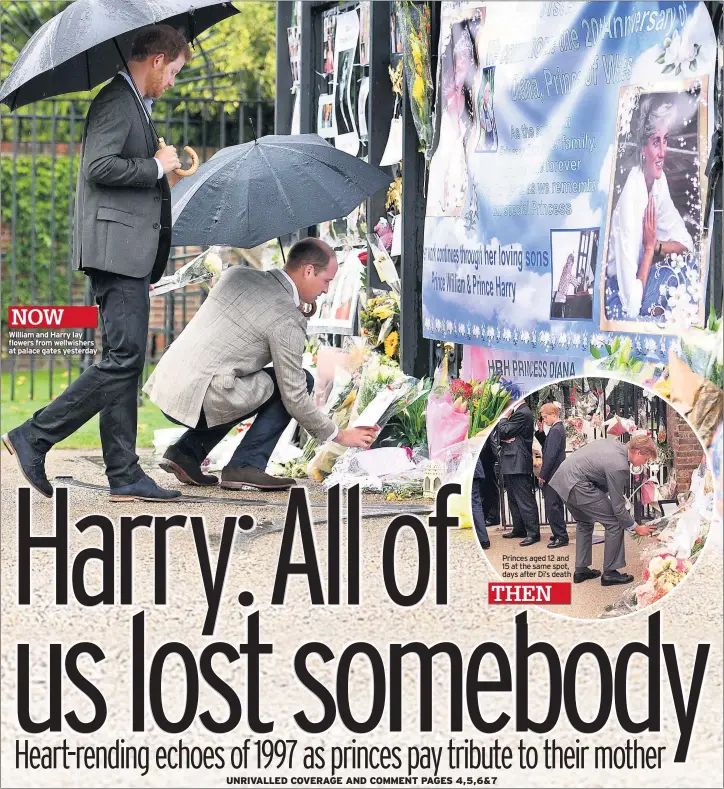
42,235
233,60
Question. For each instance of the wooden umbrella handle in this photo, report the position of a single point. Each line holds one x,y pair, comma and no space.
194,159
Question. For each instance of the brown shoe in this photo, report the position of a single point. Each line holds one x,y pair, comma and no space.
185,468
248,476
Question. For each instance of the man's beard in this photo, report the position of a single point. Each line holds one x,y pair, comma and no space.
154,85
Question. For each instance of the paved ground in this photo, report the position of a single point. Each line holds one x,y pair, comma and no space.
588,599
466,620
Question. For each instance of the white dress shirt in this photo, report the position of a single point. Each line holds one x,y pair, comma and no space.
148,104
297,302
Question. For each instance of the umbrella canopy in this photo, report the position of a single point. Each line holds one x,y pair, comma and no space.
76,50
247,194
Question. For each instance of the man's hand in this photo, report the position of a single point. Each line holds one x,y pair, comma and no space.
357,436
168,158
643,530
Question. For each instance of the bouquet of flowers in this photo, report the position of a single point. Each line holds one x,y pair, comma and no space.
201,269
488,400
664,572
408,424
460,409
380,320
574,432
416,34
447,419
483,400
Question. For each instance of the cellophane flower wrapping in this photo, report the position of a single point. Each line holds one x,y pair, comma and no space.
448,420
203,268
418,73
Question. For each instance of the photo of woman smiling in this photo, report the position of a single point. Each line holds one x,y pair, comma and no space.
653,264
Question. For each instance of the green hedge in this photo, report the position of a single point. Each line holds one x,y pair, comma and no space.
24,262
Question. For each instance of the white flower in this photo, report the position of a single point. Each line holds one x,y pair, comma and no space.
507,334
427,324
525,336
597,340
494,389
449,327
650,345
461,328
476,331
679,52
490,332
562,338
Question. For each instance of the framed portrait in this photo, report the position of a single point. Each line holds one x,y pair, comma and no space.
653,267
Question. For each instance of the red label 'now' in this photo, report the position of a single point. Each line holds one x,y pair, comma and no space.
52,317
528,592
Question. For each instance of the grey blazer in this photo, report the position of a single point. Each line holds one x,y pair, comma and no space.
600,465
248,321
119,198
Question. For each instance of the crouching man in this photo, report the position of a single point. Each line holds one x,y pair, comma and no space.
215,374
592,482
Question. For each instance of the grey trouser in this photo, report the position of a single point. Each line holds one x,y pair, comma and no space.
588,505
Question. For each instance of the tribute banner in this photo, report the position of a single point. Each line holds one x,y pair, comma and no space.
565,193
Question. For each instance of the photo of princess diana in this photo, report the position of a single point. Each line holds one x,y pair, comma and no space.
654,264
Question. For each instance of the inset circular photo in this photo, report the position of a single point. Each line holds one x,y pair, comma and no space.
598,486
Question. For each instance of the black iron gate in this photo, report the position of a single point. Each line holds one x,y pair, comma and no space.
39,165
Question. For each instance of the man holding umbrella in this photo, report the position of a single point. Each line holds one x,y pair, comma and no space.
215,374
121,241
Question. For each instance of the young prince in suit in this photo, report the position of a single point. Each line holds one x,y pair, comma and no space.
554,453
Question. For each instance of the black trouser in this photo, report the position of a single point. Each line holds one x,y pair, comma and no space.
476,503
257,445
555,512
521,502
110,386
489,487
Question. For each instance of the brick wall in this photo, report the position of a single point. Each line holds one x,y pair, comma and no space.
686,447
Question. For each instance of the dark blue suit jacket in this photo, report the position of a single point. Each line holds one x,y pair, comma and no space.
554,451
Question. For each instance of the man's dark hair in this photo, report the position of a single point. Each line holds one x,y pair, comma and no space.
308,252
160,40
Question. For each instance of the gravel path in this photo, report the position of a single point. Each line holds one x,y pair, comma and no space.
692,614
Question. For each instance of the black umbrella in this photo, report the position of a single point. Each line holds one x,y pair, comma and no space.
88,42
247,194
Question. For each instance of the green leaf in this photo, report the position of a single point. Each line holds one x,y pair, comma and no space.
668,68
661,58
595,352
692,65
678,70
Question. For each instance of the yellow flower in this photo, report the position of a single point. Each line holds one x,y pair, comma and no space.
418,90
416,56
382,312
391,343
